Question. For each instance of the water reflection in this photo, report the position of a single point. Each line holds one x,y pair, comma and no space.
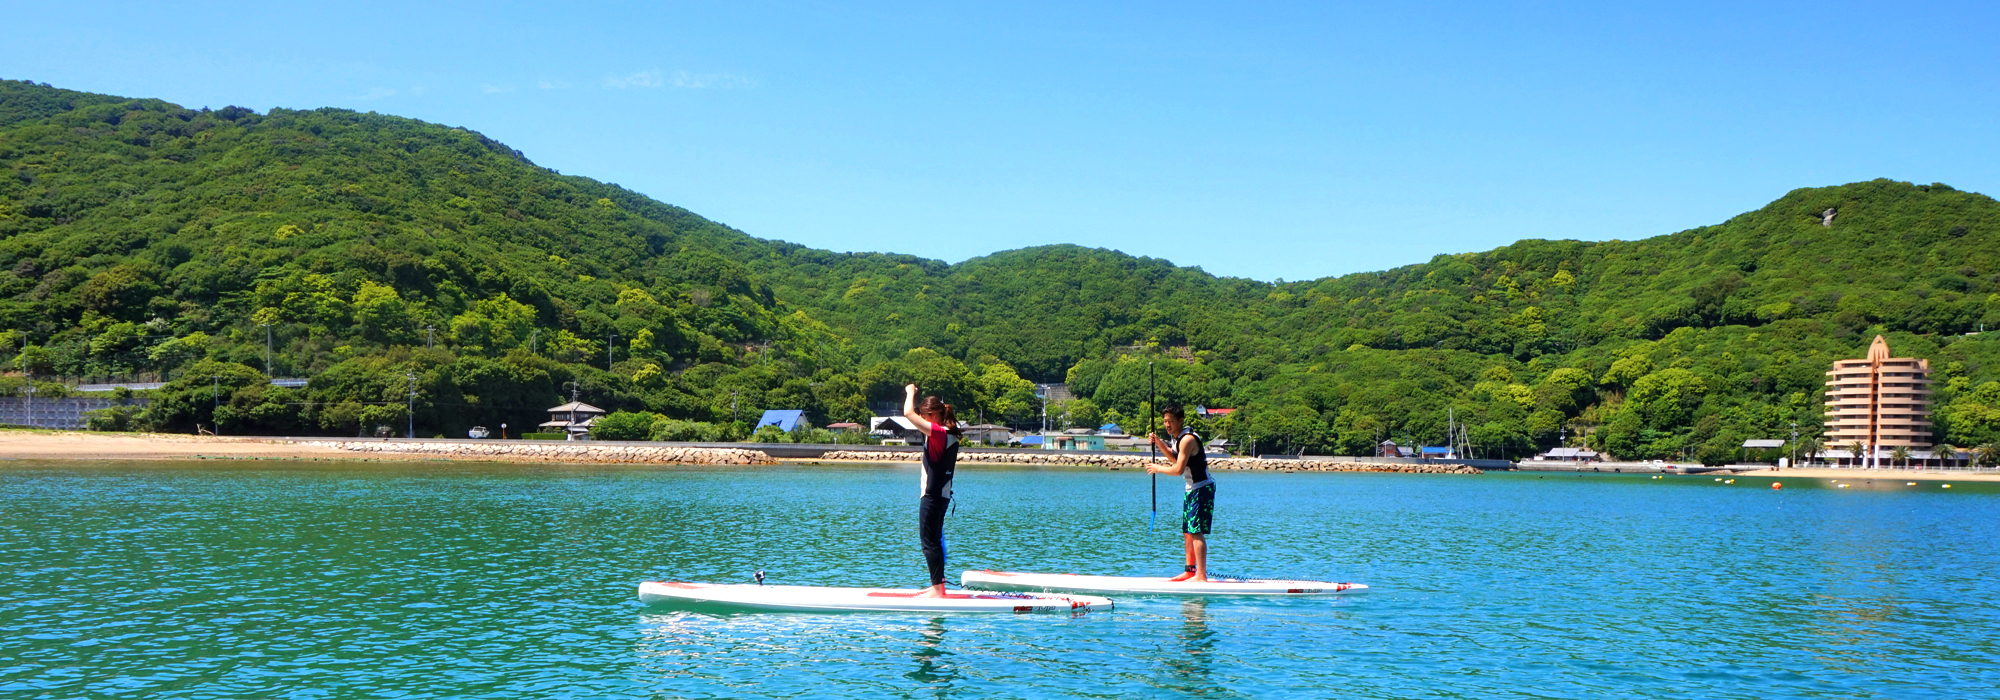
933,670
1190,664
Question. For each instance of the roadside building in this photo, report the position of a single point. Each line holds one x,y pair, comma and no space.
786,419
1067,441
988,433
1568,454
572,419
1389,448
1880,402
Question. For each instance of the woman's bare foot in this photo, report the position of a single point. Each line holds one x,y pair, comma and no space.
936,591
1185,575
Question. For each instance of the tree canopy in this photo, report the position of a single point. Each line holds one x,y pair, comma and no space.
385,256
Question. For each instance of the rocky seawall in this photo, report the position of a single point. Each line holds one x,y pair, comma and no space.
1137,462
533,451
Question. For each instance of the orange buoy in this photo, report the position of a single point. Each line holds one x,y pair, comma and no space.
1775,486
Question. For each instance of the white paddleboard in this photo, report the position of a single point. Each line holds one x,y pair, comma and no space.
825,598
1145,585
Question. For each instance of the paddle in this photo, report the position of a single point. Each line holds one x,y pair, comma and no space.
1154,521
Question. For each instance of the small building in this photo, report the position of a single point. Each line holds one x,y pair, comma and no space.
1389,448
573,419
844,427
1435,452
786,419
988,433
1066,441
1568,454
1743,453
894,428
1110,430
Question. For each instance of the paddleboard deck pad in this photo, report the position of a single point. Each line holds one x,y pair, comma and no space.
1144,585
824,599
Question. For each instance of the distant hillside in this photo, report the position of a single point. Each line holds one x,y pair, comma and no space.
140,238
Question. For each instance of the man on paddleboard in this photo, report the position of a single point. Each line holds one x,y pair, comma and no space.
940,426
1188,460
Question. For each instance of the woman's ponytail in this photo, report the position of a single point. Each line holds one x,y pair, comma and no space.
946,417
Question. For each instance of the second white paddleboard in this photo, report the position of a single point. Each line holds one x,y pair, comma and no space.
827,598
1146,585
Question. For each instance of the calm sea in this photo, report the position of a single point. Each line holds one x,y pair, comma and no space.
274,579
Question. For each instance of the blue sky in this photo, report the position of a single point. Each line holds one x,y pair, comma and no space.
1262,140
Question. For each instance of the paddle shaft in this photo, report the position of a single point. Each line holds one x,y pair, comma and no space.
1152,454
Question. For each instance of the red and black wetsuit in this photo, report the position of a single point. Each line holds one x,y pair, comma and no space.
940,461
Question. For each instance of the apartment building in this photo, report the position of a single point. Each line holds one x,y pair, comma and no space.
1881,402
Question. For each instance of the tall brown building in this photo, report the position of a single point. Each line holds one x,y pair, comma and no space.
1882,402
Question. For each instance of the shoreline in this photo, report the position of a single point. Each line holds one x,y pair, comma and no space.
1869,474
57,445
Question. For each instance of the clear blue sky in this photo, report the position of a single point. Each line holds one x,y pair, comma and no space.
1263,140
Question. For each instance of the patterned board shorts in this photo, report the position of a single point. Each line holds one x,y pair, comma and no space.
1198,511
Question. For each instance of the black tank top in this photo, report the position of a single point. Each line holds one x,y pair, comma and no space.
1197,463
940,461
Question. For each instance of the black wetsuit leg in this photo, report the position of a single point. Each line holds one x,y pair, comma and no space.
930,530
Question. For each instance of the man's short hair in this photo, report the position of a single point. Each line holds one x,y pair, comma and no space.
1175,410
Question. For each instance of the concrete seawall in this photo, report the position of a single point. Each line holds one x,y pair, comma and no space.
537,451
1138,462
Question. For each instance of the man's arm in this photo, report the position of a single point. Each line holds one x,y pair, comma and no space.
1178,456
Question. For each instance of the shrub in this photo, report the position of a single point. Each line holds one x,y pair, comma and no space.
624,425
116,419
542,436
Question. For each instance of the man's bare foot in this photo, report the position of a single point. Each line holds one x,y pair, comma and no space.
1185,575
936,591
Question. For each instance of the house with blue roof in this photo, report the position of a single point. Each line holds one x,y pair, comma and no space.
786,420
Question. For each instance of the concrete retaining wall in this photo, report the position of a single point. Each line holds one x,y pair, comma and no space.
536,451
1139,462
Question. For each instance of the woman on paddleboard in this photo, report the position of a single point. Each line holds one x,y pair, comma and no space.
1187,459
941,438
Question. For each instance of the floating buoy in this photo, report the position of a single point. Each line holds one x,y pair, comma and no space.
1947,485
1911,484
1731,481
1718,478
1775,486
1843,485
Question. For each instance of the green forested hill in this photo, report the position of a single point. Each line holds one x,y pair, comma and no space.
140,238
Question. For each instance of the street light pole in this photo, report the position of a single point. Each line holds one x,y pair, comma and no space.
267,351
412,376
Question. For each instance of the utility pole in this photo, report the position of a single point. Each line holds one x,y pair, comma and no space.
267,351
1044,394
732,407
1795,445
533,336
215,384
610,343
429,335
412,376
32,420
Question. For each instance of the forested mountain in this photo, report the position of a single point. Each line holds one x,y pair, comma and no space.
141,238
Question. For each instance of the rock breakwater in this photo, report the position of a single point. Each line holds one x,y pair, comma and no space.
1137,462
533,451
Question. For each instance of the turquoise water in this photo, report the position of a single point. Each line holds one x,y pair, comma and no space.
270,579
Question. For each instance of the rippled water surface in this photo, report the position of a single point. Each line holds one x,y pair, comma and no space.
425,580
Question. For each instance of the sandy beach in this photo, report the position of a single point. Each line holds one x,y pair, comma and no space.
49,444
1871,474
24,445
